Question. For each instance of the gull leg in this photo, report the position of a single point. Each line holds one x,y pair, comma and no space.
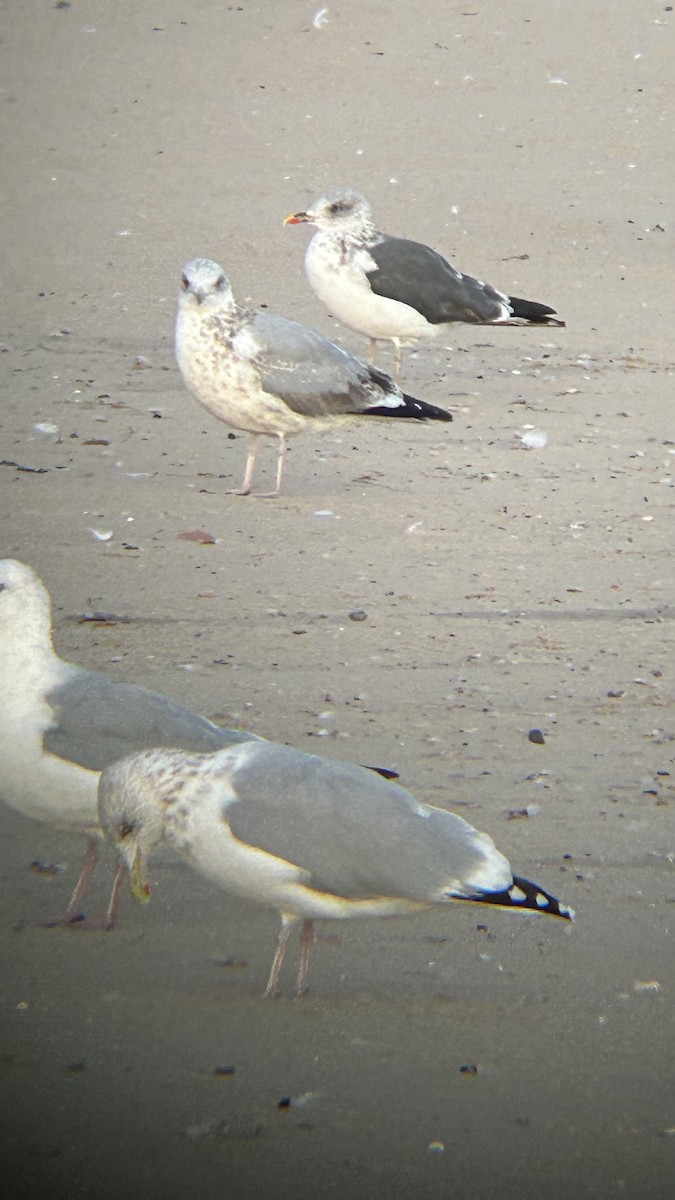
110,918
73,916
88,867
288,920
306,943
281,463
372,351
397,357
245,489
250,467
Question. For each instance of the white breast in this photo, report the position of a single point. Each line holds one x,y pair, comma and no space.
343,287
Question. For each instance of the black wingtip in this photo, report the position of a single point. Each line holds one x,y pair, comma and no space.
385,772
407,406
417,410
526,895
531,310
424,411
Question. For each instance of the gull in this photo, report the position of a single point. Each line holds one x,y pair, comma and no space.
60,725
393,289
307,836
267,375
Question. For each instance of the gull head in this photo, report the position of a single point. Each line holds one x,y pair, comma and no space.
133,795
205,282
342,210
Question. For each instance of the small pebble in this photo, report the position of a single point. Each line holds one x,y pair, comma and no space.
536,736
358,614
41,868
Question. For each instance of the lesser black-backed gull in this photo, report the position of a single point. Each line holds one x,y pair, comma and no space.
310,837
265,374
393,289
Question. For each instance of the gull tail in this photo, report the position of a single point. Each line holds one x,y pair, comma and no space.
524,894
533,312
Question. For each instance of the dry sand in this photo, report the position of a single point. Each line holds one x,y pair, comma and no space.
505,589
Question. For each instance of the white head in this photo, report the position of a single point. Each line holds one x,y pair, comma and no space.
25,609
342,210
205,284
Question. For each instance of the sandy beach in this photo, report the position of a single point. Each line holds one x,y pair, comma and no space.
504,588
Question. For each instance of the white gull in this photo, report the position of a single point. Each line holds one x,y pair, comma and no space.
61,724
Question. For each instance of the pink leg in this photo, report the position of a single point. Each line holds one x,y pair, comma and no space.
306,943
245,488
110,919
88,867
73,917
287,923
281,463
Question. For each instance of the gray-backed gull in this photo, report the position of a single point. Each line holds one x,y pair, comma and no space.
313,838
267,375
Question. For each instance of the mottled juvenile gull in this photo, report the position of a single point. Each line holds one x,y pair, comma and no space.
267,375
60,724
393,289
308,836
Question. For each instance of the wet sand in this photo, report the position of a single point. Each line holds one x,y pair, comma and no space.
505,590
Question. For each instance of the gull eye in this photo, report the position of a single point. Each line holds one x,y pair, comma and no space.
185,282
220,282
337,206
125,829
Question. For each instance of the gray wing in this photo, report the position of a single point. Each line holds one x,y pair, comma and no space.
356,835
309,373
418,276
97,721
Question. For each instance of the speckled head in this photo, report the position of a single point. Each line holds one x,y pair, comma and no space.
205,283
133,795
